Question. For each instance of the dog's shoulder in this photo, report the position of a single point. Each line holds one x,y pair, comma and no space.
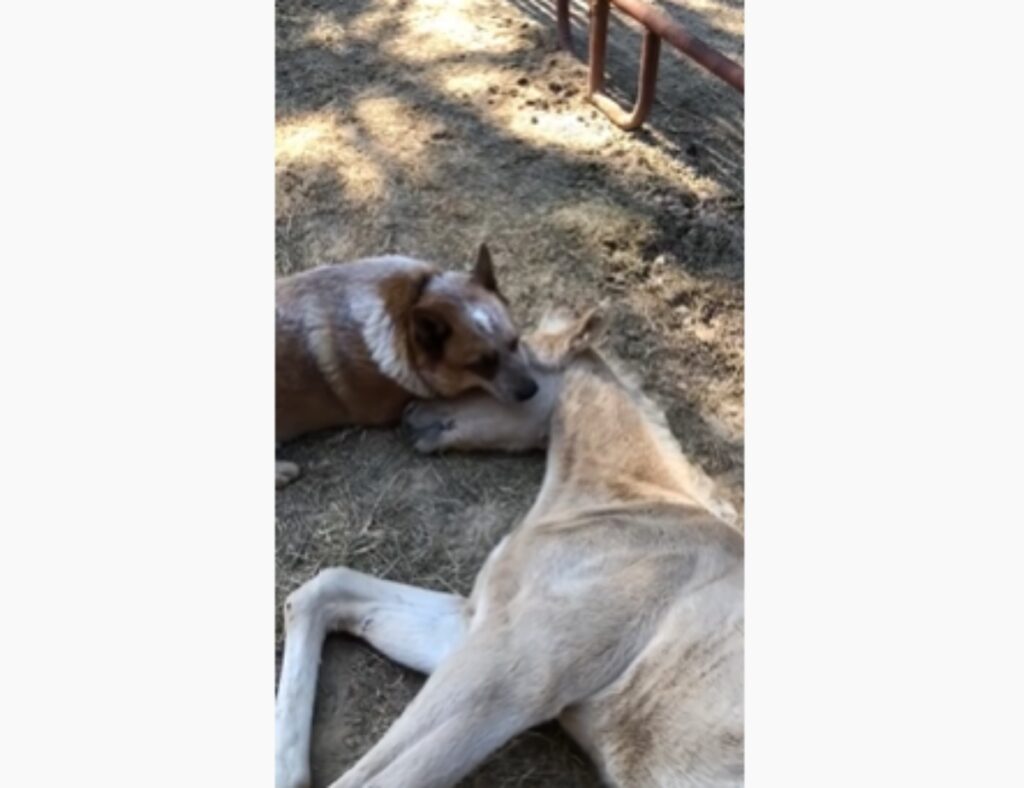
383,291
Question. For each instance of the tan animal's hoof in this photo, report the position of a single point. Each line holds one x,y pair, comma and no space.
428,425
287,472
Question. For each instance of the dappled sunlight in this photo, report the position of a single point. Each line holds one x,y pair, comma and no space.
446,28
398,128
459,49
307,137
665,157
583,131
556,127
325,31
423,126
376,20
531,118
318,139
474,83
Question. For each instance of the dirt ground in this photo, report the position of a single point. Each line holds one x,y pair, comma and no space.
422,127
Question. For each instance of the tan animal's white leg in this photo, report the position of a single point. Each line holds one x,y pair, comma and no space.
413,626
286,472
472,704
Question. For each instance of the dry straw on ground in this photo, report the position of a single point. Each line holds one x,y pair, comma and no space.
422,127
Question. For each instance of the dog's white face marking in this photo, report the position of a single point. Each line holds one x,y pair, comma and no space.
482,318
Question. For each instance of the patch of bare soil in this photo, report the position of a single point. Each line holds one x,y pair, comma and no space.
422,127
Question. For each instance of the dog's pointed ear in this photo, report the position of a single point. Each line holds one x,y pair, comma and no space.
483,271
588,329
430,331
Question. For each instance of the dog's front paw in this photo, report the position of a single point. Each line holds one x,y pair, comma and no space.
428,425
286,472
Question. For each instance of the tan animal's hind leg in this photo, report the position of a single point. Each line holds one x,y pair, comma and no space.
413,626
286,472
470,706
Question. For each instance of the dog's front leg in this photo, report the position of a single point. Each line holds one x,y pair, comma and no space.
413,626
286,472
479,422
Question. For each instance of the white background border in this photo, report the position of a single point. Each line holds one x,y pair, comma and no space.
883,382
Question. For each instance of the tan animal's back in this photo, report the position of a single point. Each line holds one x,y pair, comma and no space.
640,609
637,587
673,717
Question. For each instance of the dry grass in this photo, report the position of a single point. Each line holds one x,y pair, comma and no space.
421,127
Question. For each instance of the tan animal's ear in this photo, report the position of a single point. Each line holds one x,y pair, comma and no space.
430,331
483,271
587,330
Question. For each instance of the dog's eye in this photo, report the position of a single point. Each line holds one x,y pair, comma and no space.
486,366
513,346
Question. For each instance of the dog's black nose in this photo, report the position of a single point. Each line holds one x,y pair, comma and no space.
525,390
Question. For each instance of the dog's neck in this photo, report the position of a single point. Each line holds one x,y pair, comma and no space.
375,308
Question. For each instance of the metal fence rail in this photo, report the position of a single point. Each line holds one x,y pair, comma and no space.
657,25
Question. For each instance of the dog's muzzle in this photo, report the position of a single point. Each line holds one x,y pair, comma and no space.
525,390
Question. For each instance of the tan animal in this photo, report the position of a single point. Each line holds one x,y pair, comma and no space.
356,342
615,607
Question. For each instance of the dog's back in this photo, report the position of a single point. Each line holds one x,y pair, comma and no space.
326,319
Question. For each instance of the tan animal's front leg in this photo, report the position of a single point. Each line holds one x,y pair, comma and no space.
477,699
413,626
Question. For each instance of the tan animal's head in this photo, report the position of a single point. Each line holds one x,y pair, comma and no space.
561,336
463,338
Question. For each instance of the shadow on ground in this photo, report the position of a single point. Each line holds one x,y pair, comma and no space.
422,127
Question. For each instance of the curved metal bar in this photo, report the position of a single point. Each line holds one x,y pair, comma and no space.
657,25
598,45
660,23
645,84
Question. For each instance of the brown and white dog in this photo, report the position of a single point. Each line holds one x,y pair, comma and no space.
357,341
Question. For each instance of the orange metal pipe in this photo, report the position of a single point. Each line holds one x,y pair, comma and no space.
661,24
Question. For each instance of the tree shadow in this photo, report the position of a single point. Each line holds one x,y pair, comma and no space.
306,82
693,110
562,214
385,149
